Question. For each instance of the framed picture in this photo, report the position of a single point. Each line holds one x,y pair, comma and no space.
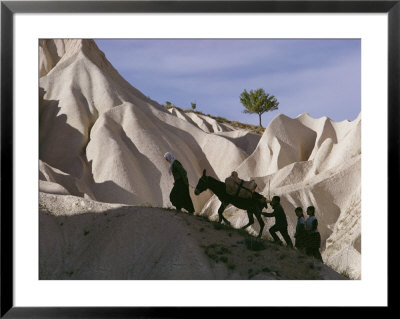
27,287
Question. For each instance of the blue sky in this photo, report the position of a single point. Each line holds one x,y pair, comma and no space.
320,77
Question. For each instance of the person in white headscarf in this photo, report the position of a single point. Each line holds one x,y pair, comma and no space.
179,196
170,159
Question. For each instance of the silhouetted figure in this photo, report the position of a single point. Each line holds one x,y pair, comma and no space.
179,196
280,222
313,236
300,235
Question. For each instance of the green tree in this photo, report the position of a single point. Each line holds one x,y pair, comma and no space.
258,102
193,105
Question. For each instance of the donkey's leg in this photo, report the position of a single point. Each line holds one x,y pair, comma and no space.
260,221
220,215
251,219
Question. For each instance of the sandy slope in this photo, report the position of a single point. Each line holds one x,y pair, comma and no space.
84,239
245,140
102,139
205,123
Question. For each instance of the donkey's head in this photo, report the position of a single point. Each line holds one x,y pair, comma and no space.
202,184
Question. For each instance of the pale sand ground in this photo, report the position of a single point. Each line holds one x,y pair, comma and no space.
84,239
102,139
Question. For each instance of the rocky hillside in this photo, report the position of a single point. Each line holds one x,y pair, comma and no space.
84,239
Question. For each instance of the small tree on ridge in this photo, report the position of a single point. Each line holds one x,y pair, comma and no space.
258,102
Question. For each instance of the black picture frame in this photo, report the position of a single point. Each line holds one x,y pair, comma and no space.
9,8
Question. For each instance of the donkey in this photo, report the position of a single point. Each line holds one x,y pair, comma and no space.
253,205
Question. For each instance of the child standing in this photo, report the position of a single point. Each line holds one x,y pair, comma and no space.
300,235
313,235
